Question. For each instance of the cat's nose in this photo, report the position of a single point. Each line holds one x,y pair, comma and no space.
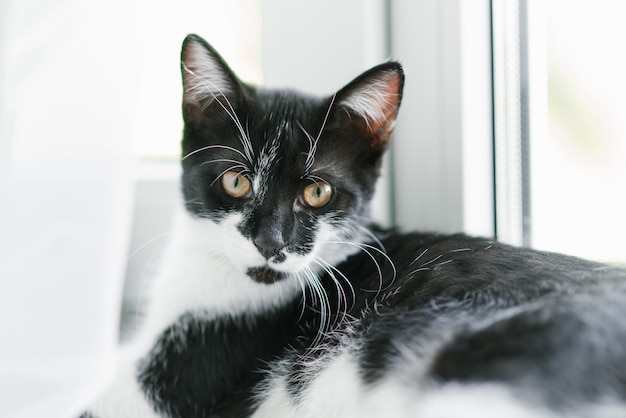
269,244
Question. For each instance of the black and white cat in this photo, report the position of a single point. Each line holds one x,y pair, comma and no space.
278,299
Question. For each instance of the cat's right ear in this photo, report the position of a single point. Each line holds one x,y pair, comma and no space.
371,102
207,80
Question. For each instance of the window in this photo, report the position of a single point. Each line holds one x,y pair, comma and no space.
578,158
560,126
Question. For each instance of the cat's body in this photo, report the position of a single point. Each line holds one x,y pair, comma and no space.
276,300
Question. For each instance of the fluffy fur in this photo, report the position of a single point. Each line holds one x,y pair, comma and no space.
270,304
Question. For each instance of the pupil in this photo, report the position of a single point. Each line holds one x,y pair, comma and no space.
318,192
236,182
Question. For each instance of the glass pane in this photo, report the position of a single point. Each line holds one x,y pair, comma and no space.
578,165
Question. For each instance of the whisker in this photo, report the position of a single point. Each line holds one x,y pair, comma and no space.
341,294
315,178
343,276
301,281
418,257
330,106
320,293
223,160
231,168
433,260
364,248
248,145
418,270
310,156
370,234
331,270
144,245
212,147
310,159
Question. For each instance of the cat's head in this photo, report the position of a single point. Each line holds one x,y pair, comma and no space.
283,178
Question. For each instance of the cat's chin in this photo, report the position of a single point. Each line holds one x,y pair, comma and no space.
265,275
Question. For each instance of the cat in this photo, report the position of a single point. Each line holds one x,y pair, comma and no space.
278,298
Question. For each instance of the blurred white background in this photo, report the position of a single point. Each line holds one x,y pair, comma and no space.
578,157
90,127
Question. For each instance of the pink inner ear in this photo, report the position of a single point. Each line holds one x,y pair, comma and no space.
382,128
376,103
203,77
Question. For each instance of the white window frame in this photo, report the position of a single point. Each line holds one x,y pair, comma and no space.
443,152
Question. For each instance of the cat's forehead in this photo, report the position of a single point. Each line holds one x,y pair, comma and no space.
290,101
283,110
285,120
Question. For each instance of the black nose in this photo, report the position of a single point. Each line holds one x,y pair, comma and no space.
269,243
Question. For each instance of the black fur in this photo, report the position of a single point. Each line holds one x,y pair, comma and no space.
569,347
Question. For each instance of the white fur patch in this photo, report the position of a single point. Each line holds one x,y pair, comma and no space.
206,270
267,158
276,403
335,392
474,401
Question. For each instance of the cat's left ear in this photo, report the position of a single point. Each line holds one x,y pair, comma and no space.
372,101
208,81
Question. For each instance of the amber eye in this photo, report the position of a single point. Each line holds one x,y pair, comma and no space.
317,194
235,185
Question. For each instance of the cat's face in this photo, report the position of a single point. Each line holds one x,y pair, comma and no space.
283,179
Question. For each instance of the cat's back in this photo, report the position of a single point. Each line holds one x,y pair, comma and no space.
444,324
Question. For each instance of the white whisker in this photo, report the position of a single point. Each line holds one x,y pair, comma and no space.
418,270
247,146
371,235
316,178
231,168
418,257
223,160
319,293
432,261
212,147
364,247
330,106
310,158
331,270
302,282
144,245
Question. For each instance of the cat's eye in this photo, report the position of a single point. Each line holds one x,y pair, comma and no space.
317,194
235,184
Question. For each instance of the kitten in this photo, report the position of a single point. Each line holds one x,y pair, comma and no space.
278,299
